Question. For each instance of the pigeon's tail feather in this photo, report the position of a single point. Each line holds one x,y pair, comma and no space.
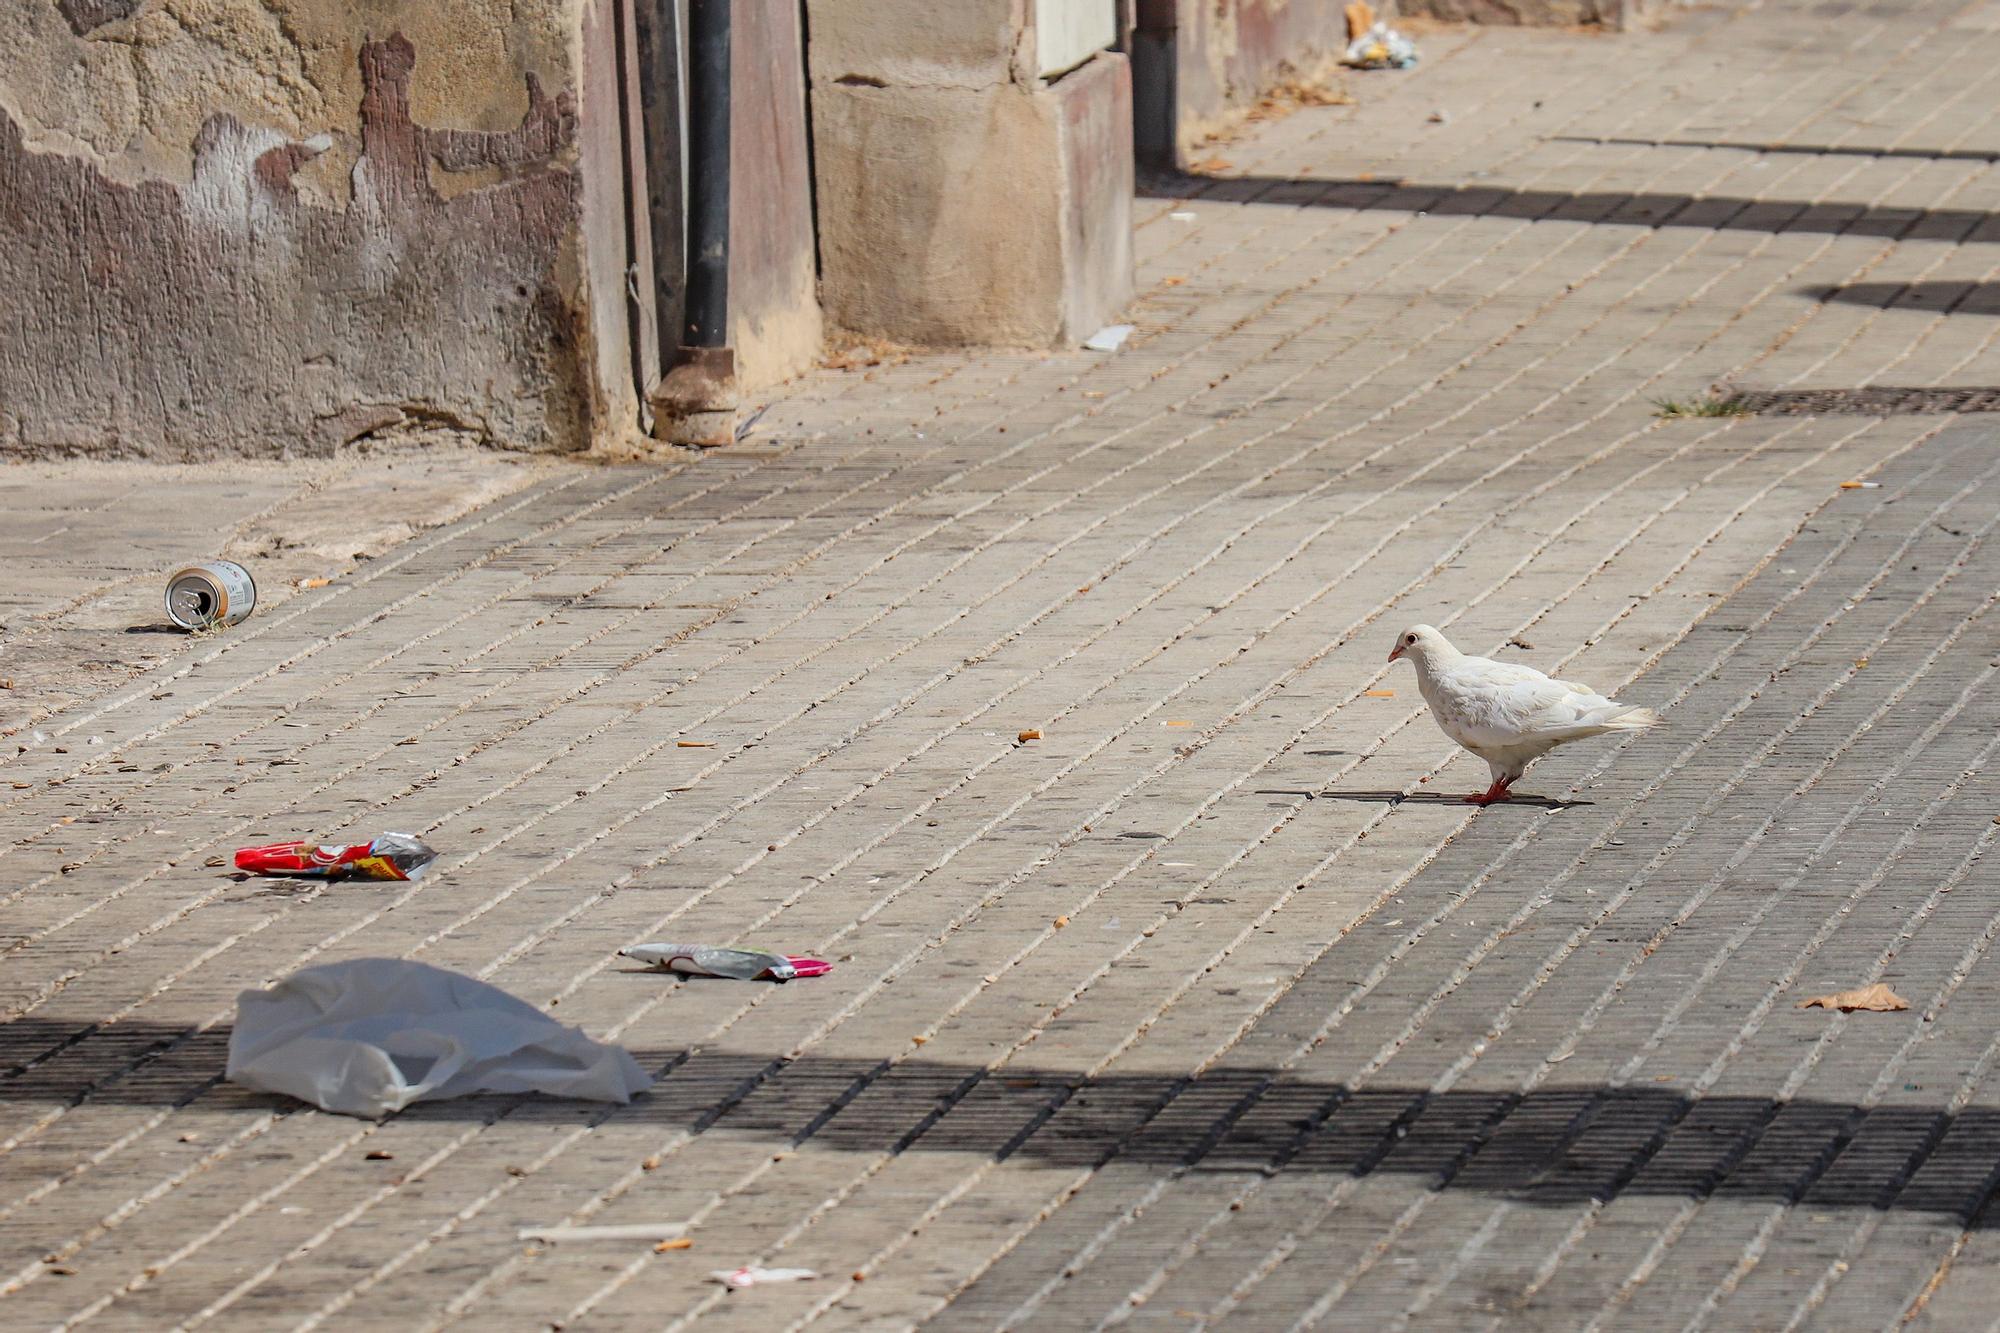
1610,717
1633,719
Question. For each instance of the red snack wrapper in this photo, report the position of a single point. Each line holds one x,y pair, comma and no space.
391,856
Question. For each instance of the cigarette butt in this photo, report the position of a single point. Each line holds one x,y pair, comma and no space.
695,745
677,1243
1029,735
1380,694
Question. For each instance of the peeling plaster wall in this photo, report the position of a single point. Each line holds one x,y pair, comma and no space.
264,228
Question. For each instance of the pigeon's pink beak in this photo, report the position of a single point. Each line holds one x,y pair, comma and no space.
1395,652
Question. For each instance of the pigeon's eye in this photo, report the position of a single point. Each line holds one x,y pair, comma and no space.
1409,638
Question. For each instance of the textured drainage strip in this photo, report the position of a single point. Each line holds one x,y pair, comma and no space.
1869,402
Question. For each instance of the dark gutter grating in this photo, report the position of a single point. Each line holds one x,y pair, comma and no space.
1869,402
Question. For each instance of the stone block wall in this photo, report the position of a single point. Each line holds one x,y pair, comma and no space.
963,197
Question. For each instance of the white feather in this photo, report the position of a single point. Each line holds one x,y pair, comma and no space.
1508,714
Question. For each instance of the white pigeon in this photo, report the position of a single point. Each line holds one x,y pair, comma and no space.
1508,714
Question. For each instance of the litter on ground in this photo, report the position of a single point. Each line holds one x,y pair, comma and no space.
397,856
704,960
755,1277
655,1231
374,1035
1108,339
1375,45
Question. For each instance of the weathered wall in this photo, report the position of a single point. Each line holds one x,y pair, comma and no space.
774,312
1230,52
268,226
962,198
1200,63
1518,13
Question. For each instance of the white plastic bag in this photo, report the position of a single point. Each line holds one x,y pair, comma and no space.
372,1035
1381,47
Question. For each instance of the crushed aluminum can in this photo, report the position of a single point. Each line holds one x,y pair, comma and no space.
391,856
214,593
703,960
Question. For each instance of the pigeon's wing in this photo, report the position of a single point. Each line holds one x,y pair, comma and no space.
1501,704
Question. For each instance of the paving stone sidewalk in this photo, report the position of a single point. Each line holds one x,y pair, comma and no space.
1211,1007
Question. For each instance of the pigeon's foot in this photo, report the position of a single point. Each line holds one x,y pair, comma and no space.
1497,792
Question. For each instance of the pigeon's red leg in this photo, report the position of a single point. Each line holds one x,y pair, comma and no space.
1497,792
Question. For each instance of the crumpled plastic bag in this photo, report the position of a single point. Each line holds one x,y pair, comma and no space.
1381,47
372,1035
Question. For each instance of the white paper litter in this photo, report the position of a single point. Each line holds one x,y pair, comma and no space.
632,1231
751,1277
1182,215
373,1035
1109,338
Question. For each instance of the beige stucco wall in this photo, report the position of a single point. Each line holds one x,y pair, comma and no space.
266,226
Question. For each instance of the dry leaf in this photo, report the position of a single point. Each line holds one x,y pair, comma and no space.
214,861
677,1243
1211,165
696,745
1172,282
1380,694
1029,735
919,1040
1861,661
1877,998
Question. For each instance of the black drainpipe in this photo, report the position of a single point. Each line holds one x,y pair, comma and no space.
708,174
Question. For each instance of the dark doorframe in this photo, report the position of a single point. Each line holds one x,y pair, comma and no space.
1155,57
